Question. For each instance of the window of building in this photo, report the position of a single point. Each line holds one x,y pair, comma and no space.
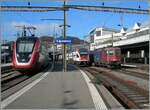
98,33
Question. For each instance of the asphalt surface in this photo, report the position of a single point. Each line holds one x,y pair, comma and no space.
59,90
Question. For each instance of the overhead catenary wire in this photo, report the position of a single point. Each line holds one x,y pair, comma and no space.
79,7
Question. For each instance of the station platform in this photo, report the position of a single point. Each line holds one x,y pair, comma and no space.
58,90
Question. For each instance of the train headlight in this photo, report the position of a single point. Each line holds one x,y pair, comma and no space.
17,55
30,55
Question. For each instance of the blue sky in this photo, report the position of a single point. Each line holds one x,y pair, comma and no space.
81,21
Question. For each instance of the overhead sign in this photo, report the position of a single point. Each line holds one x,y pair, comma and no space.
63,41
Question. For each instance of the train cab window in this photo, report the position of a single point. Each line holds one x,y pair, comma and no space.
117,52
43,49
83,50
24,47
110,52
77,56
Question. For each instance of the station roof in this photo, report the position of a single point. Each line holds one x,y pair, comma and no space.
138,25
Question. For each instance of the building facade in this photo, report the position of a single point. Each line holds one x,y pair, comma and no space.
134,42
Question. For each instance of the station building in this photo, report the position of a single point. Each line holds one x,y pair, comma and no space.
134,42
99,36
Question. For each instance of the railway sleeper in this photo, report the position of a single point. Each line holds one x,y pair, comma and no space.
129,93
129,85
142,106
123,97
141,101
133,95
139,98
7,74
123,92
124,88
145,105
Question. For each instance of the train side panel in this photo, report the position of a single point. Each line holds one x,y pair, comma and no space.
107,57
97,58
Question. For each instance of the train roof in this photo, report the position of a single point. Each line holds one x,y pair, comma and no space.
27,38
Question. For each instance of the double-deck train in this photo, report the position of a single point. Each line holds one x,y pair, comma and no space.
29,54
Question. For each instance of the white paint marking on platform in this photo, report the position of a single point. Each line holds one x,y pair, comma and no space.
16,95
97,99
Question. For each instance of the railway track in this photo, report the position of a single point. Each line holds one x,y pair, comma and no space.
7,70
128,93
11,79
134,73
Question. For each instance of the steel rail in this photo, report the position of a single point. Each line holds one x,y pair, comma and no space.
133,73
130,94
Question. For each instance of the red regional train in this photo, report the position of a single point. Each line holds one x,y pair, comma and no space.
29,54
110,57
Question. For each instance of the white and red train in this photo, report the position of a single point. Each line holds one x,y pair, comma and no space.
29,54
81,56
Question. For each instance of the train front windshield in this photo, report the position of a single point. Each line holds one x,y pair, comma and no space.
118,52
25,46
83,51
24,49
114,52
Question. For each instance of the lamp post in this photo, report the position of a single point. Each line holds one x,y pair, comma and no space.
112,36
64,53
64,47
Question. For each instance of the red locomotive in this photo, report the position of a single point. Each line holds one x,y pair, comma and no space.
110,57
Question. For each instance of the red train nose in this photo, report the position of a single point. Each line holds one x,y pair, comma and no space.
84,57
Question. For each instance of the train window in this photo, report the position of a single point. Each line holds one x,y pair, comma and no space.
117,52
98,33
43,49
25,47
110,52
83,50
83,53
